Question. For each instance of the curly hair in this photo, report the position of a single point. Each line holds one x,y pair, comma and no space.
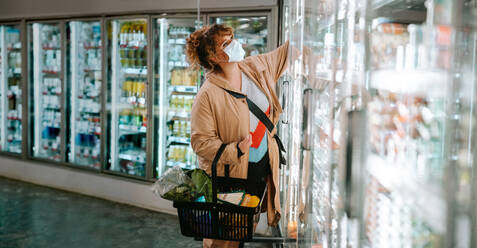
201,44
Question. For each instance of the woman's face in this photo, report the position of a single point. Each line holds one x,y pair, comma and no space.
222,42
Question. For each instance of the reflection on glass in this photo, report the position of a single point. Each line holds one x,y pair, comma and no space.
177,85
47,92
84,78
407,118
251,31
127,110
10,89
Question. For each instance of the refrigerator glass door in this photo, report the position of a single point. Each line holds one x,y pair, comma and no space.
84,79
46,85
10,89
126,99
176,85
251,31
410,90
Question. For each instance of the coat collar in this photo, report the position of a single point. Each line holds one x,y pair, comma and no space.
247,66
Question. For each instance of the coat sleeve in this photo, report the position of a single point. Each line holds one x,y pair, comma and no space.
204,135
276,61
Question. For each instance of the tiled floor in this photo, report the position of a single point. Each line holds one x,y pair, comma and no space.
36,216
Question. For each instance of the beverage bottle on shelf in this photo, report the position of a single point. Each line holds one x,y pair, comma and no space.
142,35
95,151
144,118
129,35
141,94
183,128
123,35
174,77
125,117
127,88
175,128
169,154
180,129
184,154
187,134
173,105
174,153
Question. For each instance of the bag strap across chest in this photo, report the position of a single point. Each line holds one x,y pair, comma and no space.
263,118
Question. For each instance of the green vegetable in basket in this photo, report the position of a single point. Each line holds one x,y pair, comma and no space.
181,192
202,184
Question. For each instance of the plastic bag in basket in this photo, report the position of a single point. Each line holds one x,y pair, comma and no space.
174,185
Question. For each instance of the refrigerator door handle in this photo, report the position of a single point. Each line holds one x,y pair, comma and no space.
305,208
284,93
307,119
354,165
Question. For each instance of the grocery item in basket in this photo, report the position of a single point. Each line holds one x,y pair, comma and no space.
174,185
202,184
177,185
231,197
250,201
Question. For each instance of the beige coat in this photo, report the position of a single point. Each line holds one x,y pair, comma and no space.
218,117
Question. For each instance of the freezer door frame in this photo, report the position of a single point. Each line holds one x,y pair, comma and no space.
105,65
31,132
20,26
161,140
101,136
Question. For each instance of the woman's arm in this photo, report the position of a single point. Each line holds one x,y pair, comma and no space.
204,138
277,60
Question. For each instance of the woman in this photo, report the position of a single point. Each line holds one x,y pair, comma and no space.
219,118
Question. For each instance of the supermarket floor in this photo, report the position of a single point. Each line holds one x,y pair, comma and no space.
36,216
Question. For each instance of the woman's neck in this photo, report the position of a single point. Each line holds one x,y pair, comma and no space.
231,73
229,70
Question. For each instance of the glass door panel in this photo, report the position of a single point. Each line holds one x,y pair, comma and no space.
127,103
46,83
10,92
251,31
84,78
177,86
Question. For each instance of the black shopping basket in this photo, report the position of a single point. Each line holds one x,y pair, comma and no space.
214,220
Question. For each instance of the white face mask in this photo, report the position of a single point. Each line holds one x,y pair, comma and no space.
235,51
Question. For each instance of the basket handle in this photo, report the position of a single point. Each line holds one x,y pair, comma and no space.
214,172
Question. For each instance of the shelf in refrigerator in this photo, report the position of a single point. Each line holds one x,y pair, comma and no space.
138,159
127,129
51,73
91,47
179,41
51,48
428,198
173,115
327,75
16,71
52,108
91,70
14,49
91,112
418,5
135,71
414,82
180,64
183,89
177,139
180,164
